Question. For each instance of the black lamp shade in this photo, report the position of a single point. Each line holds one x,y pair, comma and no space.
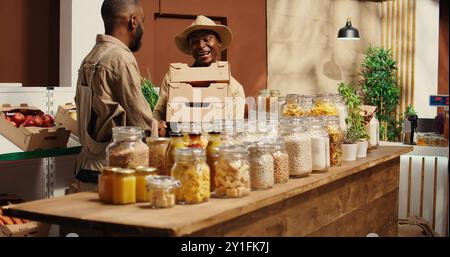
348,32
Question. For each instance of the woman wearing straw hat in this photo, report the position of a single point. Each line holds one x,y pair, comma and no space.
204,40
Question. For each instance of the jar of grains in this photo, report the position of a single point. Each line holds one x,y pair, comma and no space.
298,147
261,166
192,171
128,149
157,153
280,162
320,145
232,178
336,140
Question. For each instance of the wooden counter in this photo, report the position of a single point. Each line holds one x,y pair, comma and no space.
352,200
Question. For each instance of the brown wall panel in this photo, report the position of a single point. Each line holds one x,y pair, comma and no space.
443,83
29,42
247,53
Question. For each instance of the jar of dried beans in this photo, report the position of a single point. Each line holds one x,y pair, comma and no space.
261,166
298,147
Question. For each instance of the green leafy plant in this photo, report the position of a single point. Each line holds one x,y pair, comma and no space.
149,91
380,89
355,121
410,111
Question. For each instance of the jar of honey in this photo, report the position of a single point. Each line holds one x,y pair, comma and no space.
105,184
141,183
124,186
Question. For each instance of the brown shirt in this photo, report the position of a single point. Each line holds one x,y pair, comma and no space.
236,91
115,98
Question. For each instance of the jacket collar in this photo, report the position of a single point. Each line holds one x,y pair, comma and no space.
113,40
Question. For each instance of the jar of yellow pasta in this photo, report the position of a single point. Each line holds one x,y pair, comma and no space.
292,107
141,183
323,105
193,172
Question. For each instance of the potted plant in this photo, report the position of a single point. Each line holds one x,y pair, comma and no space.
356,133
412,116
379,88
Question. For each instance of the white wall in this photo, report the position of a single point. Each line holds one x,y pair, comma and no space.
80,21
427,56
304,54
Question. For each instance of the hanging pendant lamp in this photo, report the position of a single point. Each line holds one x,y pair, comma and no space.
348,32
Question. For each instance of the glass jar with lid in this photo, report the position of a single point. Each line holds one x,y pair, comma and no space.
281,103
292,107
336,140
298,147
307,104
261,166
124,186
193,172
157,153
128,149
341,107
195,140
212,153
280,162
374,132
161,190
105,184
141,174
323,105
232,178
176,142
320,145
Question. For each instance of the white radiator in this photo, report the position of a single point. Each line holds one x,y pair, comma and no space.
424,185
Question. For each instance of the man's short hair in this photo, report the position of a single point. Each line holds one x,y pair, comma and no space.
111,10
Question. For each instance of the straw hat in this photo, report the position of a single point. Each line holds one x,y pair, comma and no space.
203,23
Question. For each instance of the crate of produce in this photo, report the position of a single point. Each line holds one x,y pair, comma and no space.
67,116
16,227
31,129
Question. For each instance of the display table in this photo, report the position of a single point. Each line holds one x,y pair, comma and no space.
355,199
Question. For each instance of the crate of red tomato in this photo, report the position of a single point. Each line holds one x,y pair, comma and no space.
31,129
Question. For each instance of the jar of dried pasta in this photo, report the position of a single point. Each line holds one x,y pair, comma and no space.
161,190
336,140
232,178
323,105
193,172
292,107
128,149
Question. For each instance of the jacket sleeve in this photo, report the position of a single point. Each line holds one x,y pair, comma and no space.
132,100
161,106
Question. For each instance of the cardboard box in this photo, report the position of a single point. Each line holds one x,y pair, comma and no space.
67,116
32,138
28,229
199,94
